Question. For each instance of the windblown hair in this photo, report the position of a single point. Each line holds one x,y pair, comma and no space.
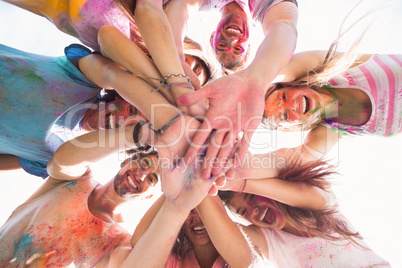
326,223
334,64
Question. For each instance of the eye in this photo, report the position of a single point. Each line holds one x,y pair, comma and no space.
251,197
145,163
197,69
132,110
285,116
152,179
284,97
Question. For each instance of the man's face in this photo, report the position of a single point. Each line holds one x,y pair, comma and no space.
137,176
230,40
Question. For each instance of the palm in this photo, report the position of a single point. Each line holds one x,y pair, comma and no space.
235,105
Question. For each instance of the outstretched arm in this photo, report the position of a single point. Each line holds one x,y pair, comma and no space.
240,96
220,227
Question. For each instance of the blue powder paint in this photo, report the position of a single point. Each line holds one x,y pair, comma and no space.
25,244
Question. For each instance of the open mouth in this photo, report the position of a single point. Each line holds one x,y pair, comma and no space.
233,30
267,216
132,181
199,229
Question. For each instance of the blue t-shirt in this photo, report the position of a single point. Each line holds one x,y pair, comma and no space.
40,100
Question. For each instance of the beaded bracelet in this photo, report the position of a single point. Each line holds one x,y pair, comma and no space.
176,75
165,127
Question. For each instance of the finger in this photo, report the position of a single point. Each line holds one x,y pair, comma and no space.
230,174
213,191
220,182
198,142
224,153
212,152
193,97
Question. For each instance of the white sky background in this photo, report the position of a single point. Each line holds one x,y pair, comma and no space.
369,184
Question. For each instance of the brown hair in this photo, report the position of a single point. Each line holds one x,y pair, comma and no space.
182,245
326,223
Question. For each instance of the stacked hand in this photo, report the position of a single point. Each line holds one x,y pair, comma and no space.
235,105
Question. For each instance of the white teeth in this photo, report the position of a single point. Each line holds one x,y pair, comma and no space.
131,182
263,214
199,228
304,104
233,30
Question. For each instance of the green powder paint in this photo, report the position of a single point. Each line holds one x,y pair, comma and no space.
32,77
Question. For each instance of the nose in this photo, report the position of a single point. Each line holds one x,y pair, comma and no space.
253,211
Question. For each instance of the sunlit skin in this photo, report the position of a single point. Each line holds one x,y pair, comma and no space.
258,210
230,40
293,106
195,231
111,115
197,68
136,176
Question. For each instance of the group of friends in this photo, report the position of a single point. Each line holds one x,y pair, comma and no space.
185,121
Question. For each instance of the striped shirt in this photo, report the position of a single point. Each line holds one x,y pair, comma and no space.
380,78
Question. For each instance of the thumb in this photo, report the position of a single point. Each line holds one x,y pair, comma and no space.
192,97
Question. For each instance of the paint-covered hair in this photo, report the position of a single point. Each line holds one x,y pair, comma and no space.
326,223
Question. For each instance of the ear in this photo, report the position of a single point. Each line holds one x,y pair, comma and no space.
212,38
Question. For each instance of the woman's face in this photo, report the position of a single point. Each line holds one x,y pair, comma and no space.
112,115
294,106
258,210
137,176
197,68
195,230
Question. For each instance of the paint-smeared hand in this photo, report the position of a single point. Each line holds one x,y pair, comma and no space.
183,186
235,104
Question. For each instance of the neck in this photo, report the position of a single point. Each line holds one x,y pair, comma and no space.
330,102
206,255
103,202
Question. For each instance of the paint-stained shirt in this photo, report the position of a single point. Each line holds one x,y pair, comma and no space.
56,229
257,8
380,78
288,250
42,101
81,18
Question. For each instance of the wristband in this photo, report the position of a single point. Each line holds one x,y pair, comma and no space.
244,186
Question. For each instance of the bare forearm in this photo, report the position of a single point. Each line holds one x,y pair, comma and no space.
219,226
154,247
296,194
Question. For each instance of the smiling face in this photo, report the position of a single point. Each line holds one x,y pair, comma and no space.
258,210
195,230
289,107
137,176
230,40
111,115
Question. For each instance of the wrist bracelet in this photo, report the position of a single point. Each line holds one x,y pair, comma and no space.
165,127
175,75
179,84
136,132
244,186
